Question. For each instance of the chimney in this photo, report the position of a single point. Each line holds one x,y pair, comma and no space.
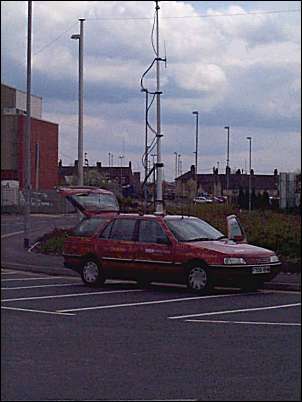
76,163
99,164
130,165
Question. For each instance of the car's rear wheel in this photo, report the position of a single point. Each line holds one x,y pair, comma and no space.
198,278
92,274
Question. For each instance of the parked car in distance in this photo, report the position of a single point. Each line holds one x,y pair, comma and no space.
166,248
202,200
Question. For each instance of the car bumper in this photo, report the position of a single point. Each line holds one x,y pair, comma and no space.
241,274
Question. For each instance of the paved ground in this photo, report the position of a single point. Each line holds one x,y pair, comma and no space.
64,341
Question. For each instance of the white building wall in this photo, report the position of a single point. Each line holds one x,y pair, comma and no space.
36,104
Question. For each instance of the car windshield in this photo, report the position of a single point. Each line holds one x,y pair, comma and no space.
88,226
187,229
97,201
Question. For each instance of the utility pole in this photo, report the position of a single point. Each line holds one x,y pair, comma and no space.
154,179
250,168
80,37
228,159
176,170
109,158
146,151
159,164
27,136
196,150
121,158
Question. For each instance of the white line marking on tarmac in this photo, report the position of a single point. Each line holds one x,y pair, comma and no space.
42,286
146,303
72,295
33,279
246,322
11,234
10,273
235,311
35,311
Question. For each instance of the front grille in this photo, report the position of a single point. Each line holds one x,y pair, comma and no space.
257,260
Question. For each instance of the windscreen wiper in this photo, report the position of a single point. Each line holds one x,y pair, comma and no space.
221,237
200,239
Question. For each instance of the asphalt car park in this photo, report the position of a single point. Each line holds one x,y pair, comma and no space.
120,342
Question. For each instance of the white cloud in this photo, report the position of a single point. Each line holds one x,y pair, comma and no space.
237,70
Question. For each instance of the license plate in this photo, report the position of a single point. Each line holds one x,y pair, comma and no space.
261,270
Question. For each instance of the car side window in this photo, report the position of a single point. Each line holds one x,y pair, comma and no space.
123,229
151,232
106,232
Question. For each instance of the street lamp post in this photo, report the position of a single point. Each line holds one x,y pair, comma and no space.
80,37
250,168
27,136
228,158
196,148
176,170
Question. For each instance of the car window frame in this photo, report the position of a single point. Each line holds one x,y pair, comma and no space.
162,228
113,222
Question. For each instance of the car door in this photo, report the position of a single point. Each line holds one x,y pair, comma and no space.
116,248
155,252
235,229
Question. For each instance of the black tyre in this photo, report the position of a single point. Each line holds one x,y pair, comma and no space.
198,278
92,274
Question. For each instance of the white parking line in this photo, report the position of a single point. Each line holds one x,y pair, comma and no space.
72,295
146,303
33,279
42,286
234,311
10,273
11,234
35,311
246,322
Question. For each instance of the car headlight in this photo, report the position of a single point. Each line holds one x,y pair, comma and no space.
234,261
274,258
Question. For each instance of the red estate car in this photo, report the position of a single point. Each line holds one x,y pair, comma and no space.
168,248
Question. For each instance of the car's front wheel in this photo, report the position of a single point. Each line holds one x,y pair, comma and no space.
91,273
198,278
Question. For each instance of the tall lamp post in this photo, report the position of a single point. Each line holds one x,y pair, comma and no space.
27,136
228,158
176,169
250,168
196,147
80,37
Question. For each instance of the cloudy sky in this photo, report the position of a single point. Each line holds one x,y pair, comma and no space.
238,63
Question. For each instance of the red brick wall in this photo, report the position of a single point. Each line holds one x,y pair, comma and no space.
46,134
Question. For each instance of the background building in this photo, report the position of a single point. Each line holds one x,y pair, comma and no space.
44,141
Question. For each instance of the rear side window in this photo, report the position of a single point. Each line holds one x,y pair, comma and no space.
88,227
123,229
151,232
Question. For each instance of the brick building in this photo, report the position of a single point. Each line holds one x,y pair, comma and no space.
44,141
216,184
115,177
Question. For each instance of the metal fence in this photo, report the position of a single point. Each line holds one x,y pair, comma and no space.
46,202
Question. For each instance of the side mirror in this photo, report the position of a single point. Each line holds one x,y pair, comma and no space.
235,230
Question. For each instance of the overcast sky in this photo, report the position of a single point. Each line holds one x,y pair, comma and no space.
241,70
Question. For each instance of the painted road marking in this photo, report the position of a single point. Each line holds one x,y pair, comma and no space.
11,234
33,279
234,311
72,295
35,311
42,286
246,322
10,273
147,303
